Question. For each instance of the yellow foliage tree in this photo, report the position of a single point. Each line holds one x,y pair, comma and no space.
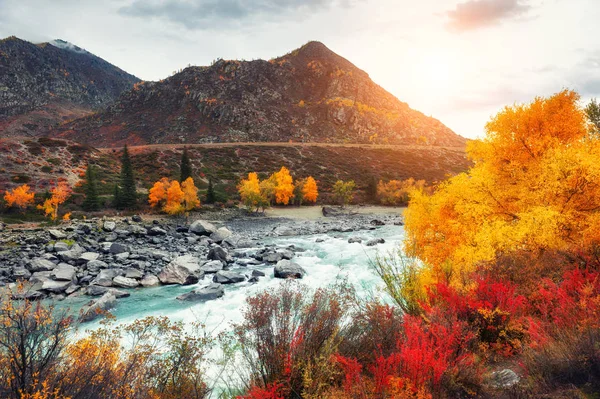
59,194
250,192
20,197
175,197
190,195
158,193
284,190
310,191
534,186
397,192
267,189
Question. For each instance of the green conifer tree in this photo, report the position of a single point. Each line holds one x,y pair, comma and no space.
91,201
127,194
211,196
186,166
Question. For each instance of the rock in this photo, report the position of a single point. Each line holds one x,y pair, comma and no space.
377,222
353,240
83,229
202,228
87,257
57,234
288,269
320,240
157,231
228,277
122,256
55,287
61,246
150,280
64,272
374,241
97,290
285,231
219,253
96,265
29,295
182,270
20,273
273,257
125,282
210,292
253,279
72,288
40,277
138,230
133,273
221,234
257,273
41,264
105,277
136,218
504,379
109,226
212,267
117,248
98,307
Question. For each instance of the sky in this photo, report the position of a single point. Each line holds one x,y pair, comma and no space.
460,61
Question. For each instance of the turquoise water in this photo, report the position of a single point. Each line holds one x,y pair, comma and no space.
325,263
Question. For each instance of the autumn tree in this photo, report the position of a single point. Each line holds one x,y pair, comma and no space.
190,195
310,191
127,194
268,188
284,190
250,192
343,192
20,197
91,201
397,192
298,195
175,197
157,195
534,186
59,194
592,111
185,166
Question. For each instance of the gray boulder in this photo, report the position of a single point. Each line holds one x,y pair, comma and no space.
353,240
138,230
228,277
64,272
97,290
61,246
273,257
55,287
150,280
57,234
157,231
133,273
20,273
98,307
136,218
374,241
219,253
105,277
182,270
87,257
109,226
212,291
96,265
212,267
41,264
202,228
125,282
288,269
221,234
116,248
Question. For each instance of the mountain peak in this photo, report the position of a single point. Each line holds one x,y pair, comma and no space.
65,45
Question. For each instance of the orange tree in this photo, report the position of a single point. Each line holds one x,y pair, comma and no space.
310,191
534,186
284,190
20,197
59,194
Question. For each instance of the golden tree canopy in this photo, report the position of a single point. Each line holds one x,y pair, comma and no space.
20,197
309,190
190,194
284,191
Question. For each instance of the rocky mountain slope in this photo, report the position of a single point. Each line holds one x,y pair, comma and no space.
308,95
44,84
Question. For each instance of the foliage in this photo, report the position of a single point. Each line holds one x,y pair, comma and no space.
592,111
157,195
127,198
92,201
534,186
310,191
174,198
59,194
343,192
20,197
185,168
250,192
284,190
190,195
397,192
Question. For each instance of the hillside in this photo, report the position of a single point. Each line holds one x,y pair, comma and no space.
308,95
44,84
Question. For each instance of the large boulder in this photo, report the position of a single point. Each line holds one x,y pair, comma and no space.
212,291
41,265
157,231
64,272
219,253
109,226
87,257
98,307
56,287
96,265
287,269
212,267
57,234
150,280
374,241
117,248
228,277
202,228
125,282
105,277
221,234
182,270
98,290
61,246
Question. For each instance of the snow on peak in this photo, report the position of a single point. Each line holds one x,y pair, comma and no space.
68,46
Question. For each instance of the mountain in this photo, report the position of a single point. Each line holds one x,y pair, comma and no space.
308,95
44,84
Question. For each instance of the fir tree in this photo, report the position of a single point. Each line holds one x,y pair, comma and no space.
186,166
117,197
211,196
128,195
92,201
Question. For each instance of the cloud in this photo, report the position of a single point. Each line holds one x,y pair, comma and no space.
474,14
207,14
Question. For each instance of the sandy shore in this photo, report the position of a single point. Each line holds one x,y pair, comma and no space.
314,212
